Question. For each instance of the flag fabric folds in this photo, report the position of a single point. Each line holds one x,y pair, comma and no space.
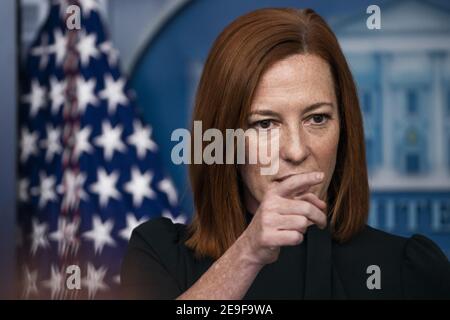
88,167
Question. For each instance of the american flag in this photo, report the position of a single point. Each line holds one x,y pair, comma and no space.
89,169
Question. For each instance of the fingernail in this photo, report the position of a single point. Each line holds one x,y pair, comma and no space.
319,176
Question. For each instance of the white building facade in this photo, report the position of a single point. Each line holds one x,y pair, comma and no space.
403,76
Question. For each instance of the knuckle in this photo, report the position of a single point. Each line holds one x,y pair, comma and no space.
302,222
307,207
298,238
264,239
266,219
269,205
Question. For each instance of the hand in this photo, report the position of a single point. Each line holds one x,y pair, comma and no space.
283,216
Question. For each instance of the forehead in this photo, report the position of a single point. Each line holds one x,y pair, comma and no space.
300,78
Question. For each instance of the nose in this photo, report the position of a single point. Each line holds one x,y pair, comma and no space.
294,146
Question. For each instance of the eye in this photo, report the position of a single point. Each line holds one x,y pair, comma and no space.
320,118
263,124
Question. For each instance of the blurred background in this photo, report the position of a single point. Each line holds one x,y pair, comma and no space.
127,79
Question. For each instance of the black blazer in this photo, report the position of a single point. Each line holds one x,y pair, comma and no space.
158,265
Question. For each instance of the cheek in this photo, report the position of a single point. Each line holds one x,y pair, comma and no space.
262,148
326,146
333,147
256,183
327,150
326,153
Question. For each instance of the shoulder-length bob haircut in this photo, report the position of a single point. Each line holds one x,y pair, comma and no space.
239,57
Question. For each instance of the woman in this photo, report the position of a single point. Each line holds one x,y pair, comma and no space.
301,232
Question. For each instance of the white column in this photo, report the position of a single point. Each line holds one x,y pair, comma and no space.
445,216
436,218
389,214
387,115
438,133
412,215
373,214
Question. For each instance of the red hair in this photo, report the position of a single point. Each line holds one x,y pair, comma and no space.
236,63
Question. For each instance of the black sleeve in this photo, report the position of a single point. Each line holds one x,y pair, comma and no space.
426,270
145,273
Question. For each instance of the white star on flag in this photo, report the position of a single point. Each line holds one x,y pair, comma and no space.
38,236
66,235
46,189
105,186
110,140
94,280
28,144
141,139
82,142
87,47
43,51
30,279
87,6
113,92
139,186
52,143
100,233
72,188
111,52
180,219
55,283
57,91
85,93
36,98
24,183
167,187
59,46
132,223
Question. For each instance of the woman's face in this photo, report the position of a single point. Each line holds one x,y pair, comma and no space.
297,96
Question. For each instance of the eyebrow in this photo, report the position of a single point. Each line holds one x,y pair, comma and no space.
268,112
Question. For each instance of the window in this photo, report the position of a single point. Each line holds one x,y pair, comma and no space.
412,137
412,163
412,102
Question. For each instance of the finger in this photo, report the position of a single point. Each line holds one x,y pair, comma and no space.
293,222
288,238
315,200
297,183
304,208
